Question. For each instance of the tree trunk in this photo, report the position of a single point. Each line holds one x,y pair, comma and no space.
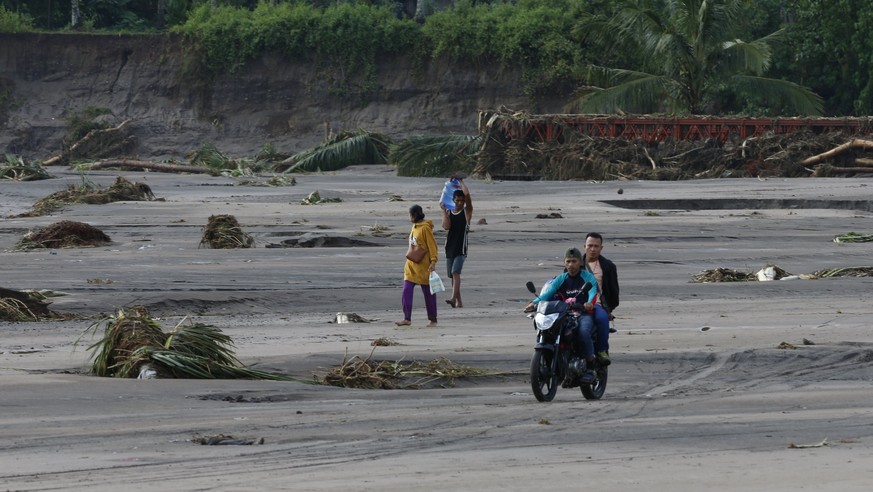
75,15
419,10
154,166
162,14
839,149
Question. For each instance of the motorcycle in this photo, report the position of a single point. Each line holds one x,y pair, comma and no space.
555,359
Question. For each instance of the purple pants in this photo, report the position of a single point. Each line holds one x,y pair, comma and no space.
429,300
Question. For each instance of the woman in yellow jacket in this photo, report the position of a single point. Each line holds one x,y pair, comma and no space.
419,273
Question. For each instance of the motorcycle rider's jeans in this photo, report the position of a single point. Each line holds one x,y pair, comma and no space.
584,330
601,327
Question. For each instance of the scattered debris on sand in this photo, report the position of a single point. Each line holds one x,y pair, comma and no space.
121,190
853,237
225,232
551,215
859,271
773,272
223,440
821,444
722,275
351,318
63,234
384,342
16,169
133,343
367,373
315,198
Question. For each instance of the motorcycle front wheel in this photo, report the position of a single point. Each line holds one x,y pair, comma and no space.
595,390
543,380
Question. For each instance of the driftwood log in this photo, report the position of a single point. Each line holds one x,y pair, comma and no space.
114,133
852,144
134,164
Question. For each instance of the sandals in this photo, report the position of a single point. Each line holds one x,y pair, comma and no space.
431,324
403,322
450,302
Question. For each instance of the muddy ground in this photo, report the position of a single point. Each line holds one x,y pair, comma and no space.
699,395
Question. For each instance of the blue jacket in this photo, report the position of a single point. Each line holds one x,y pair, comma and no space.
569,286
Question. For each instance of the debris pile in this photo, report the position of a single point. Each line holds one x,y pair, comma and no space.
121,190
224,232
513,147
367,373
132,343
63,234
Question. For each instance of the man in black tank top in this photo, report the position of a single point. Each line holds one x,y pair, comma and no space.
457,222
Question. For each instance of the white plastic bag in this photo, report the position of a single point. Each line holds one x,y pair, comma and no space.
436,283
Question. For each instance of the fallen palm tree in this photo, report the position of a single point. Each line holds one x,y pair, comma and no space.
134,345
225,232
341,151
63,234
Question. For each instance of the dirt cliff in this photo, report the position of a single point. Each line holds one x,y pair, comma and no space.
286,103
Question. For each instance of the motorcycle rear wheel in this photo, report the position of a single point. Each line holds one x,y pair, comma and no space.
543,380
595,390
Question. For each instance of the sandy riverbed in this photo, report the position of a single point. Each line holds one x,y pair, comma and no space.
699,395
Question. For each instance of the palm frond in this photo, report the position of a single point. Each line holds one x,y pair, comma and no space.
131,340
201,340
434,156
693,43
776,92
632,92
208,155
346,149
740,56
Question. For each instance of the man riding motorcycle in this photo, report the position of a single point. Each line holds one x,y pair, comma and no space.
568,285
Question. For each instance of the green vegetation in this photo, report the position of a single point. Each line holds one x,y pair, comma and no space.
715,56
690,49
83,122
11,21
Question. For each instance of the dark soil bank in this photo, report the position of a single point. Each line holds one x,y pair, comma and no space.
289,104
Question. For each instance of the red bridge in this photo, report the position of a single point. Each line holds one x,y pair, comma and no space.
547,128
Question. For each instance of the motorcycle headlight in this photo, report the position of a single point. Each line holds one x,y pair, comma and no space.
545,321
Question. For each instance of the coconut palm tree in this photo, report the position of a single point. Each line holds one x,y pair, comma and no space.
689,50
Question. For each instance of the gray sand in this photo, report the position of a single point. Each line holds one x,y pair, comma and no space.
699,395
